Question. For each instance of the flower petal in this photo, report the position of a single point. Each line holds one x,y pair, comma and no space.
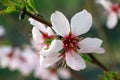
47,61
55,47
92,50
37,24
4,62
81,22
60,23
75,61
90,42
4,50
49,31
13,64
90,45
37,36
112,20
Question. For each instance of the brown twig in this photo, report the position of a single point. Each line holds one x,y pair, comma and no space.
38,18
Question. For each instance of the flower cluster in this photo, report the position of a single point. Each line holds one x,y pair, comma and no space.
17,59
26,61
62,42
113,12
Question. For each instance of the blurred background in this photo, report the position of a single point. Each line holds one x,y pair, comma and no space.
17,33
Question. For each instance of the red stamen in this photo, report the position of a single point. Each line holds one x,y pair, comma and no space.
70,42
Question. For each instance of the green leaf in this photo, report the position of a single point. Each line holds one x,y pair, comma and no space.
110,76
31,3
9,9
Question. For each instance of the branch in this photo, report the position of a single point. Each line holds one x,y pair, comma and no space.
98,63
38,18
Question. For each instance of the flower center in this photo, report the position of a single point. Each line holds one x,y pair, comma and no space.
115,8
70,42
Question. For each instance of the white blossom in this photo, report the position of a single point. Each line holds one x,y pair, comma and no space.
70,43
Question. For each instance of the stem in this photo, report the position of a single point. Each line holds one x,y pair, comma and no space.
38,18
98,63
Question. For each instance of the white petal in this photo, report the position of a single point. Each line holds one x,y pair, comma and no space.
105,3
25,70
37,36
35,45
4,50
4,62
55,47
92,50
13,64
49,31
47,61
37,24
81,22
112,20
75,61
60,23
90,42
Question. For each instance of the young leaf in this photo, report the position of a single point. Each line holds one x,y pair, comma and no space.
110,76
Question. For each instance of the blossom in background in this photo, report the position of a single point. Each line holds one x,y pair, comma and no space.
4,50
8,59
17,59
113,12
27,60
46,74
52,73
70,45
